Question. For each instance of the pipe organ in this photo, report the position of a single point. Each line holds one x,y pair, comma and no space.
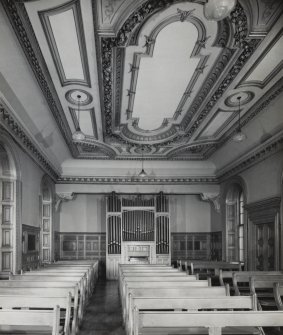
138,230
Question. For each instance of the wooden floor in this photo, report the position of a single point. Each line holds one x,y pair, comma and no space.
104,314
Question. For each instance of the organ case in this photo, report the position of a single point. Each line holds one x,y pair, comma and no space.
138,231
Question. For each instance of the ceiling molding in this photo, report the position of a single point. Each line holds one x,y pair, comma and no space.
224,70
261,152
73,5
8,122
20,22
132,180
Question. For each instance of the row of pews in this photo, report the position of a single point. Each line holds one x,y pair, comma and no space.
49,300
266,284
158,299
207,267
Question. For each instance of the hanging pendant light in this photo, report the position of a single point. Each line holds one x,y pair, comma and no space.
142,174
78,135
216,10
239,136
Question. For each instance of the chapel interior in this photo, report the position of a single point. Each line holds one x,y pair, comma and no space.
140,132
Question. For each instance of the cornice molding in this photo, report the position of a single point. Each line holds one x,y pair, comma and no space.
261,152
8,123
132,180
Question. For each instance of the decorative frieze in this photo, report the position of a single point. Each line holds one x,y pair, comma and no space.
135,180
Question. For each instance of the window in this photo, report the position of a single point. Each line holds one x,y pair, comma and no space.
46,222
235,223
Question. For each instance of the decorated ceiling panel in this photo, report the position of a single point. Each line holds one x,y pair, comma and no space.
150,78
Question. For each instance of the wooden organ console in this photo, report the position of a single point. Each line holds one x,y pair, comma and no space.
137,230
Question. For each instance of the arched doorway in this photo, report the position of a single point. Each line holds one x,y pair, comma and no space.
8,236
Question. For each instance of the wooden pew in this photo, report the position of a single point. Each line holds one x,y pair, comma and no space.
145,276
162,284
92,267
61,278
148,322
278,293
243,278
26,302
263,287
66,272
51,276
189,304
213,268
186,292
30,320
49,292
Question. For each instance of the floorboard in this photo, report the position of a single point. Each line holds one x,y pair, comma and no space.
103,314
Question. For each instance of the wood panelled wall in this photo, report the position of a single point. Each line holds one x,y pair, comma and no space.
202,246
81,245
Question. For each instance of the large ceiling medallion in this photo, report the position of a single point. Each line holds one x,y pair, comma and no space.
216,10
72,97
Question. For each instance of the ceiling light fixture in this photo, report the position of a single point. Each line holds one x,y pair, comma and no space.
239,136
78,135
216,10
142,174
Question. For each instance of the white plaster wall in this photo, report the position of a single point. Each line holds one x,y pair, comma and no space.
31,176
189,214
86,213
216,224
263,180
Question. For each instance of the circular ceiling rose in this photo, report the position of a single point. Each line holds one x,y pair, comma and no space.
72,97
216,10
232,100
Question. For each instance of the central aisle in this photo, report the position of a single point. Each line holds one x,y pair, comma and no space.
103,315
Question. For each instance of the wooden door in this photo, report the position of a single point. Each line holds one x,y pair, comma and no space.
265,251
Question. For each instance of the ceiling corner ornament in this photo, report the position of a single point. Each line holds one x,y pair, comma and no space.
19,20
184,14
18,133
213,198
63,197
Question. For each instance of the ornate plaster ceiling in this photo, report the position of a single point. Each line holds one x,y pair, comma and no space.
155,76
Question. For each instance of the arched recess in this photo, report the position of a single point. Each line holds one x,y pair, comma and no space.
235,221
10,217
47,220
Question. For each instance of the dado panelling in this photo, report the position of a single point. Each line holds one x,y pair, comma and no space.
202,246
82,245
